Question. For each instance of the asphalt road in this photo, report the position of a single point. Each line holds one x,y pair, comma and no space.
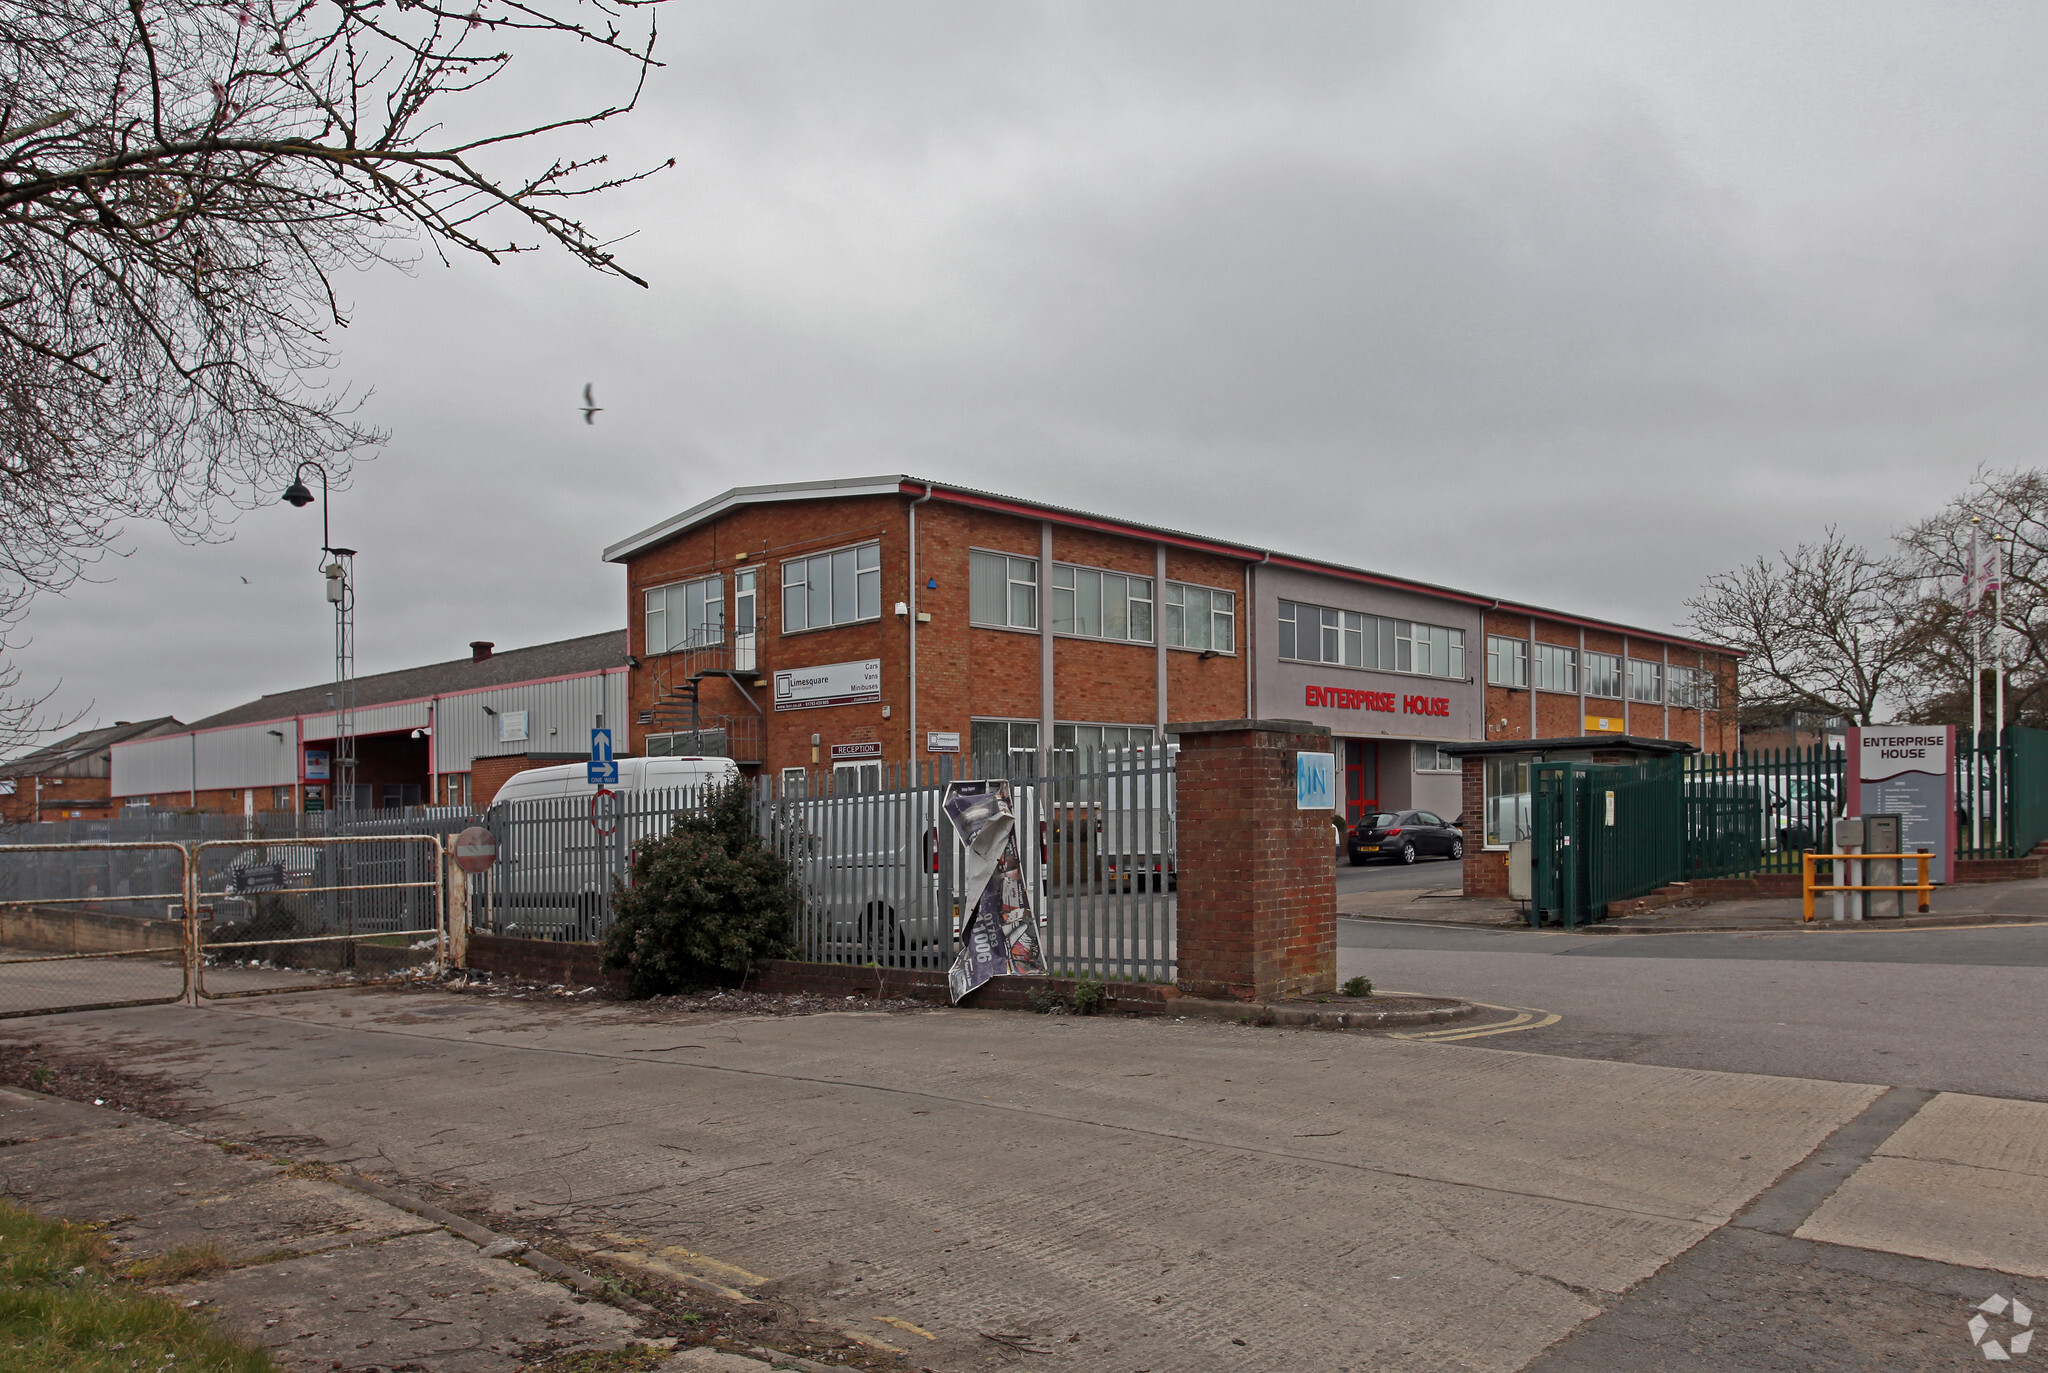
1951,1010
1426,873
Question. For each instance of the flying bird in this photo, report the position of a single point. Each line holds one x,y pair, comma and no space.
590,405
245,581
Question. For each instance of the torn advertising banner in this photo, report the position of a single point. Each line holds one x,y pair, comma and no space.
1000,934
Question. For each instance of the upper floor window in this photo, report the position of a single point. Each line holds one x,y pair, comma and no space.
1101,605
1693,688
1200,617
842,587
1346,638
1002,590
1556,668
685,615
1603,675
1645,681
1507,661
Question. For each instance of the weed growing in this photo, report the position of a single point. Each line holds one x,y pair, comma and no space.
63,1311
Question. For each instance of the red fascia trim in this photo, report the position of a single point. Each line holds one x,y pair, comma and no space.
1040,512
1253,555
1607,627
1372,579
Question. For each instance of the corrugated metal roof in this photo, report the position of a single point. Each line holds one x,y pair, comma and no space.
64,751
564,658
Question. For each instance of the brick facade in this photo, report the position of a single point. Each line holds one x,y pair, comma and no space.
968,672
1257,914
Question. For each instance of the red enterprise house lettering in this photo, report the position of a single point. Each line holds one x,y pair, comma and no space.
1345,698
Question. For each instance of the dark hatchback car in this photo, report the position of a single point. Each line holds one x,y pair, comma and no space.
1404,836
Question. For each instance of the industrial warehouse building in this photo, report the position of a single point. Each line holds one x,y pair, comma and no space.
433,735
840,625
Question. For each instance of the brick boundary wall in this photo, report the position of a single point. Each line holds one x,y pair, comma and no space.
542,960
1485,871
1257,913
576,965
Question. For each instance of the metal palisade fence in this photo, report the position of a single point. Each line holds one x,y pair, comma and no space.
877,863
1757,811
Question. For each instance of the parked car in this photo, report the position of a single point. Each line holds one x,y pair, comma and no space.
1404,836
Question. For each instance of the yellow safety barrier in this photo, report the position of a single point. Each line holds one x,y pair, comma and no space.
1807,888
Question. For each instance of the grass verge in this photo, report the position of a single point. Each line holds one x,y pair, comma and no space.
63,1311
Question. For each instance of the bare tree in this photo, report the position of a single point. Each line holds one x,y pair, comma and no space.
1827,627
180,181
2010,512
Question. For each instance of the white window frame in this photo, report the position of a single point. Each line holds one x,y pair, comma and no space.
1655,676
1505,811
1077,576
1013,584
864,592
856,776
1507,662
1552,664
673,600
1691,688
796,781
746,617
1340,639
1011,748
1221,619
1432,758
1605,660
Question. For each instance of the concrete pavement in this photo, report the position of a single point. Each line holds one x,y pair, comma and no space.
1176,1195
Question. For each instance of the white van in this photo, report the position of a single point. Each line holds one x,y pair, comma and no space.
559,848
635,774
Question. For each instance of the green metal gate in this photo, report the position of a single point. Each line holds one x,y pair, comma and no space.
1603,833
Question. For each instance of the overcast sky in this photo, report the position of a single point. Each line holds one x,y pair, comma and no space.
1578,304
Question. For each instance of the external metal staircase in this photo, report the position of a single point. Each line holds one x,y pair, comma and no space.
679,710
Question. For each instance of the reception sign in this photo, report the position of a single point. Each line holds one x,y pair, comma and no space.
1908,771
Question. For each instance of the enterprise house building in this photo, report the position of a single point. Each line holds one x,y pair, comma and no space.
844,624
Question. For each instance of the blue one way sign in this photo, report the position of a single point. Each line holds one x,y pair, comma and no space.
604,769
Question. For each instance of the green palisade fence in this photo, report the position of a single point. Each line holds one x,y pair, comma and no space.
2026,793
1757,811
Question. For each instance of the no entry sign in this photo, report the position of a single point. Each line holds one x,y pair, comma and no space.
476,848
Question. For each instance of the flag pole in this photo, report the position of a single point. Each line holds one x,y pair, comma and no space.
1972,601
1998,670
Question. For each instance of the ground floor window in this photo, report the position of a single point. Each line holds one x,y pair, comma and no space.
1081,746
853,779
796,782
1004,748
1432,758
1507,800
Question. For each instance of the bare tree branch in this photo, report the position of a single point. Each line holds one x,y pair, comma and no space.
179,182
1827,627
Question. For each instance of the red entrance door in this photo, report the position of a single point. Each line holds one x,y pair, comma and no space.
1361,778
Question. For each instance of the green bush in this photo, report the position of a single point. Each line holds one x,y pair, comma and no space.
706,901
1088,996
1358,986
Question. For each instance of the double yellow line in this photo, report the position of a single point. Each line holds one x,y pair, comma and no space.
1521,1019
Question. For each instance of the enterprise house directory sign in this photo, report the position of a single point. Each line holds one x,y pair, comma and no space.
1909,771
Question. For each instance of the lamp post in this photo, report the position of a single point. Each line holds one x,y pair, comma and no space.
339,570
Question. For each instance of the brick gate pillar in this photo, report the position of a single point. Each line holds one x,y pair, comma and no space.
1258,881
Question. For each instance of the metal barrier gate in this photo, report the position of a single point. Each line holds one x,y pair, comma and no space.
303,913
78,931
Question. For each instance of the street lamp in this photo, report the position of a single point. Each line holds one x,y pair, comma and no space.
339,572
